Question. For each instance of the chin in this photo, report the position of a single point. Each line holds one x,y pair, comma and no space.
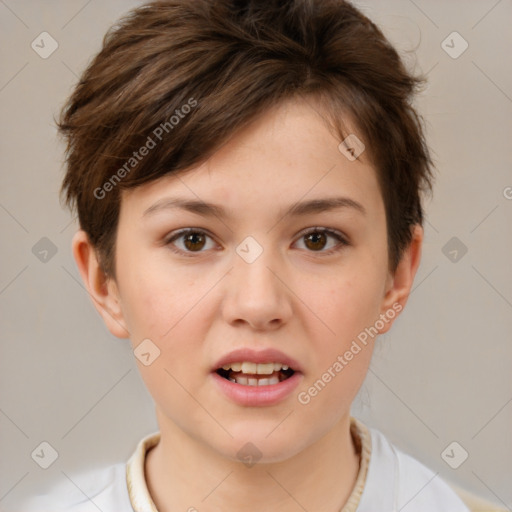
257,445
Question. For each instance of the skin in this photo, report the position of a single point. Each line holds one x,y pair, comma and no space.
294,297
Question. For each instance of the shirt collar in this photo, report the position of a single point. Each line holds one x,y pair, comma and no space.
141,501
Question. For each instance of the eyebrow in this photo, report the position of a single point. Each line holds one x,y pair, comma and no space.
297,209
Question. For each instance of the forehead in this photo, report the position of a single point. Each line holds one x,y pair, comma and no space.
288,154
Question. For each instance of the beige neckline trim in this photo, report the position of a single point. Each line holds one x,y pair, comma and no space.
141,501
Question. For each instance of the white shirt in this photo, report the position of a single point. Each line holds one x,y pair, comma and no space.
388,481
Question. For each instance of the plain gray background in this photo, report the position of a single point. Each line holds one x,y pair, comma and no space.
441,375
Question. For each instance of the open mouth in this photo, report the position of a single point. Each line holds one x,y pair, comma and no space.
255,374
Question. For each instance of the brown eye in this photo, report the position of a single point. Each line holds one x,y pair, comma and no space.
194,241
315,241
189,241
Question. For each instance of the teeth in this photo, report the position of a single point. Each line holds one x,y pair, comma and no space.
255,382
236,367
255,368
265,368
249,367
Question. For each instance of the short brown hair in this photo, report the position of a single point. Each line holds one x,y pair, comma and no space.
229,61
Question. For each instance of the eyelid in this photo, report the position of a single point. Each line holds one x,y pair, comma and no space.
175,235
343,240
329,231
334,233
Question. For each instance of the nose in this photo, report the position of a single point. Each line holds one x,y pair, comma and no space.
257,293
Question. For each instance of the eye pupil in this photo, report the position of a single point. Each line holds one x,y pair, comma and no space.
190,239
195,240
315,237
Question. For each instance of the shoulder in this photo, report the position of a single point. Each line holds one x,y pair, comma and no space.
397,481
104,489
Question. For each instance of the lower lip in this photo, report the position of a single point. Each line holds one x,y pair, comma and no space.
257,396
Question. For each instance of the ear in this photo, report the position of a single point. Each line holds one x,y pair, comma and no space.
102,289
399,283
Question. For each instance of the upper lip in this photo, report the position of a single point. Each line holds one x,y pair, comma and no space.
269,355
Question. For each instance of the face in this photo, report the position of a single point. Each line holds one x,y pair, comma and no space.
269,269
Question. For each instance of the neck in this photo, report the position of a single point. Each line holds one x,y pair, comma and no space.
183,473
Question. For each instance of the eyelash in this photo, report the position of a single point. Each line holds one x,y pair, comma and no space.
335,234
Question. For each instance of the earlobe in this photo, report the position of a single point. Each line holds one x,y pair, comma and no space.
102,290
400,283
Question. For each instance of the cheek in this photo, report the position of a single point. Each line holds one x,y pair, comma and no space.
163,313
167,313
349,306
167,309
156,297
352,303
340,359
